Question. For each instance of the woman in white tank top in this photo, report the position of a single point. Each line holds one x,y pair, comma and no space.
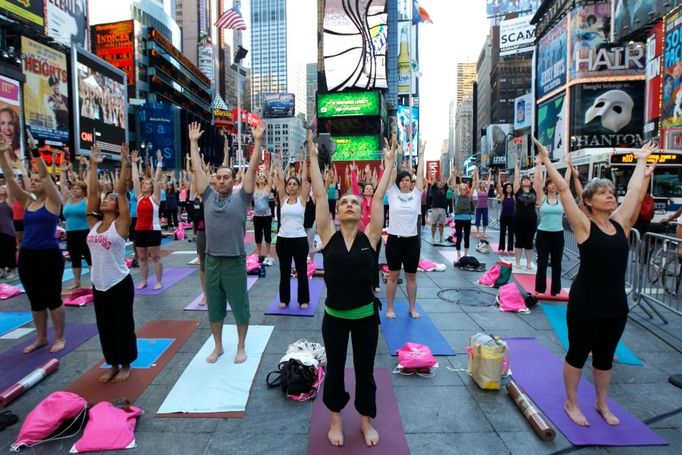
112,286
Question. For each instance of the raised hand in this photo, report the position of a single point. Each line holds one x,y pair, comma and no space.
135,156
389,152
159,155
31,141
195,132
541,150
648,148
259,130
125,157
312,148
95,157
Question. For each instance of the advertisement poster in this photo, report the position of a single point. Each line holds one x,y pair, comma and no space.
67,22
652,92
115,44
10,118
523,111
671,99
278,105
631,15
433,171
408,128
31,11
46,92
157,128
609,114
551,129
348,104
502,7
355,44
551,59
517,36
102,107
496,135
359,148
593,54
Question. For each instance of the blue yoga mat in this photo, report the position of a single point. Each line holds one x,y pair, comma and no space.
402,329
11,320
556,315
67,276
148,352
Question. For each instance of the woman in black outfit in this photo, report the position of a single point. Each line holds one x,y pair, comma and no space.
525,219
597,303
350,308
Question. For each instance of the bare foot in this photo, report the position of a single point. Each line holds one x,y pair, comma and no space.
202,302
304,306
240,357
141,285
123,374
576,415
283,305
217,352
37,344
390,314
370,434
157,286
58,345
606,413
109,375
335,434
415,314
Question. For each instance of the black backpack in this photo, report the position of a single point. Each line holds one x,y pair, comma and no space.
293,376
470,264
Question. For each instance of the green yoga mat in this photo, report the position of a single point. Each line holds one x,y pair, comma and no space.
556,315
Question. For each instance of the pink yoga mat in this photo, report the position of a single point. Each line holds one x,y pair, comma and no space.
171,275
194,304
527,282
249,238
392,439
315,286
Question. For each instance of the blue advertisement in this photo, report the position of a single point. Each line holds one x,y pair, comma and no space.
277,105
551,59
157,127
408,127
501,7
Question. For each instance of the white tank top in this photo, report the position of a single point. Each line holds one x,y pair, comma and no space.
108,257
292,220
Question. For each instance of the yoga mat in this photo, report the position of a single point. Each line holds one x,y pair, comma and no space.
166,240
148,352
10,320
17,333
392,439
556,315
319,261
193,252
315,286
194,304
16,365
249,238
450,256
67,276
171,275
527,282
194,261
225,386
402,329
545,387
89,387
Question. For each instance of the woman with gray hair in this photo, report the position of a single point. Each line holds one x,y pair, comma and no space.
597,303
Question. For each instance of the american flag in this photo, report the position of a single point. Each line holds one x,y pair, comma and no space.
231,19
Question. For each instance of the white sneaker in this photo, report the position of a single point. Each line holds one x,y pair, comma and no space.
268,261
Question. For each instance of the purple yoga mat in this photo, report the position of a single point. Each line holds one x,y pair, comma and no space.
194,304
547,391
315,285
392,439
171,275
16,365
319,261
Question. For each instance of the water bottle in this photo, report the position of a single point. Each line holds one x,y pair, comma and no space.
261,272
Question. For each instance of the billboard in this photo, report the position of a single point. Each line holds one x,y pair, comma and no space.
157,127
551,126
502,7
630,16
205,61
277,105
551,59
67,22
46,92
10,117
496,137
608,114
652,91
671,101
408,128
31,11
100,106
593,54
115,44
523,111
355,44
517,36
348,103
360,148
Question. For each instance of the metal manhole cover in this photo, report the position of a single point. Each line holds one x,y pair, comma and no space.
468,296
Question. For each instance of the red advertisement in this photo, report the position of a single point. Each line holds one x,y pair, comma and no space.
652,94
115,43
433,170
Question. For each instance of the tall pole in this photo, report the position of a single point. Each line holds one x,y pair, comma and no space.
239,119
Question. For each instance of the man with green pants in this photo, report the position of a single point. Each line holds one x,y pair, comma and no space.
225,220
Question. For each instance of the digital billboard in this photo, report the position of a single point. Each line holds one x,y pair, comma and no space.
652,92
10,118
408,127
671,99
115,43
157,127
630,16
551,127
502,7
348,103
355,44
277,105
551,59
359,148
67,22
46,92
517,36
100,105
29,11
523,111
496,136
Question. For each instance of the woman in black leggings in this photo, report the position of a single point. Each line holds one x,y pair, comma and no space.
597,303
525,218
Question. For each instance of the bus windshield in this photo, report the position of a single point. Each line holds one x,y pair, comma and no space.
667,182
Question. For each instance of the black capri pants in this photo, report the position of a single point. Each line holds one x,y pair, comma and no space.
115,322
597,335
524,231
262,227
463,232
295,248
8,252
403,252
41,274
77,247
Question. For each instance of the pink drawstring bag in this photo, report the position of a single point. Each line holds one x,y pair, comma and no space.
490,277
179,234
185,225
311,269
108,428
47,416
510,299
129,263
79,297
252,265
415,356
7,291
426,265
384,268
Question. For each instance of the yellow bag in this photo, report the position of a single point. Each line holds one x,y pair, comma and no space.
487,360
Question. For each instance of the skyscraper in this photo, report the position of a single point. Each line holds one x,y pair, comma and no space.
466,76
269,49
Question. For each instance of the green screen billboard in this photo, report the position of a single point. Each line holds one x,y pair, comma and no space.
360,148
347,104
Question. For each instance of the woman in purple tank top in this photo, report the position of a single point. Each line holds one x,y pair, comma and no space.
482,204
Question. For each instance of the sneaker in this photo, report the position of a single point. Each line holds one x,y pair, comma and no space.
269,261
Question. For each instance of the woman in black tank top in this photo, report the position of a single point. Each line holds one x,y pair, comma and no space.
351,307
597,303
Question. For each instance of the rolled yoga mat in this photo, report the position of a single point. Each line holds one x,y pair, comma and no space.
16,365
89,387
316,285
538,372
527,282
392,439
556,315
11,320
171,276
403,328
224,386
194,304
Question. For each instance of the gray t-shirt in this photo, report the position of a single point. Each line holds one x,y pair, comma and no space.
225,219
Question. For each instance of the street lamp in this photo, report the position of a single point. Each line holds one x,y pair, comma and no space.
239,55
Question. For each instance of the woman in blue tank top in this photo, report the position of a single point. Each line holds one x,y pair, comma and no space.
41,264
76,225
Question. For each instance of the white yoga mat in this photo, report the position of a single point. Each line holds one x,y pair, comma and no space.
223,386
194,252
17,333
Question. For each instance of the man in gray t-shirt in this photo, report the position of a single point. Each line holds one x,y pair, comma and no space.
225,219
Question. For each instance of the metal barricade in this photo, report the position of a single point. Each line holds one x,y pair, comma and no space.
494,207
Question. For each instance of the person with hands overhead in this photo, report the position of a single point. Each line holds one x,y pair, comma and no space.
41,264
76,223
525,218
597,302
225,224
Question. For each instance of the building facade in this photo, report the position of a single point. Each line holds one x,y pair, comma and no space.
466,76
464,118
286,135
269,49
483,100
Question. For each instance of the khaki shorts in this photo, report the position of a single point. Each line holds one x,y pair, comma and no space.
437,216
